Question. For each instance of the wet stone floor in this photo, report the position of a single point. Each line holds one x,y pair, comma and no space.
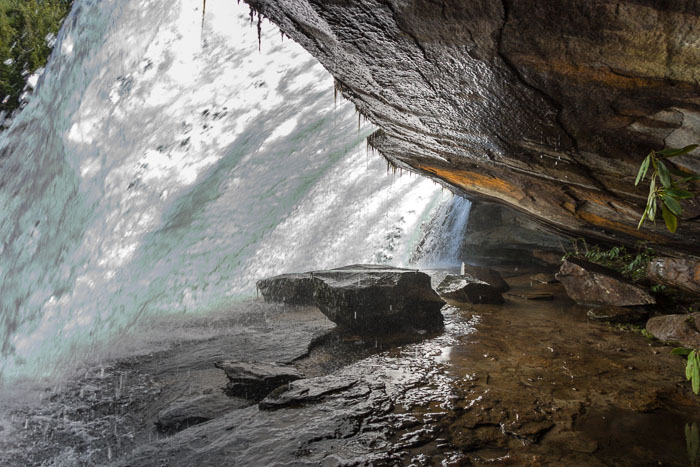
525,383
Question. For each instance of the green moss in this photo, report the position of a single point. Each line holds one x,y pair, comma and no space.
24,28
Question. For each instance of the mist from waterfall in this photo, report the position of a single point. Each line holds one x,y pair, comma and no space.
164,164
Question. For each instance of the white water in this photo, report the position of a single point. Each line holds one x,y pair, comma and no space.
163,166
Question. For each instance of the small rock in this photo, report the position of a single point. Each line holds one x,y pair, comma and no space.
532,295
468,288
618,314
543,278
592,284
255,380
677,328
305,391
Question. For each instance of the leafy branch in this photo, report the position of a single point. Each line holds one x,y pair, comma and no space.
667,187
692,367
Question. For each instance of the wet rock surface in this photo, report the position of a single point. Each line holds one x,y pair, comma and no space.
592,284
683,329
366,298
188,412
683,274
255,380
618,314
488,275
295,289
467,288
483,97
525,383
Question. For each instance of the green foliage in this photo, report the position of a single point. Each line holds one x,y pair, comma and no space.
692,367
670,188
631,264
24,27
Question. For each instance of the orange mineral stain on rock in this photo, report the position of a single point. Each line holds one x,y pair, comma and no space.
620,227
476,182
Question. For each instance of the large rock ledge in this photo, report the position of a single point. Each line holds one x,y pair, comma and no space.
545,106
363,297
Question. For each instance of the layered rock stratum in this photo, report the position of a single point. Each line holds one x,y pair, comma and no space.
548,107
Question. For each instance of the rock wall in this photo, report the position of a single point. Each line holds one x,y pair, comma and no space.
500,236
548,107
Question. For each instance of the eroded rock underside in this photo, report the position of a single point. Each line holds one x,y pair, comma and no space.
548,107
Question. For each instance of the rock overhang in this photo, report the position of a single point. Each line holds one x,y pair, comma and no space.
546,107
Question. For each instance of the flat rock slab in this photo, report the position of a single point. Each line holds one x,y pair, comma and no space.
591,284
192,411
294,289
310,390
364,298
618,314
467,288
532,295
543,278
488,275
676,328
255,380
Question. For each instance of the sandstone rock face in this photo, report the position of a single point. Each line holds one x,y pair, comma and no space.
683,274
373,298
677,328
592,284
549,107
467,288
254,380
295,289
366,298
498,235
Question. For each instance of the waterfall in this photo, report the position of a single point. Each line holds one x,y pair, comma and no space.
441,243
164,164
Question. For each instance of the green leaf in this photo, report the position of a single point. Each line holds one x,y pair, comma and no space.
679,194
680,351
671,152
643,170
664,176
673,205
669,218
652,210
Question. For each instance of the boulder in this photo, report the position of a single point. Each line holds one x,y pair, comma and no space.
294,289
677,328
592,284
618,314
371,298
255,380
683,274
488,275
467,288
